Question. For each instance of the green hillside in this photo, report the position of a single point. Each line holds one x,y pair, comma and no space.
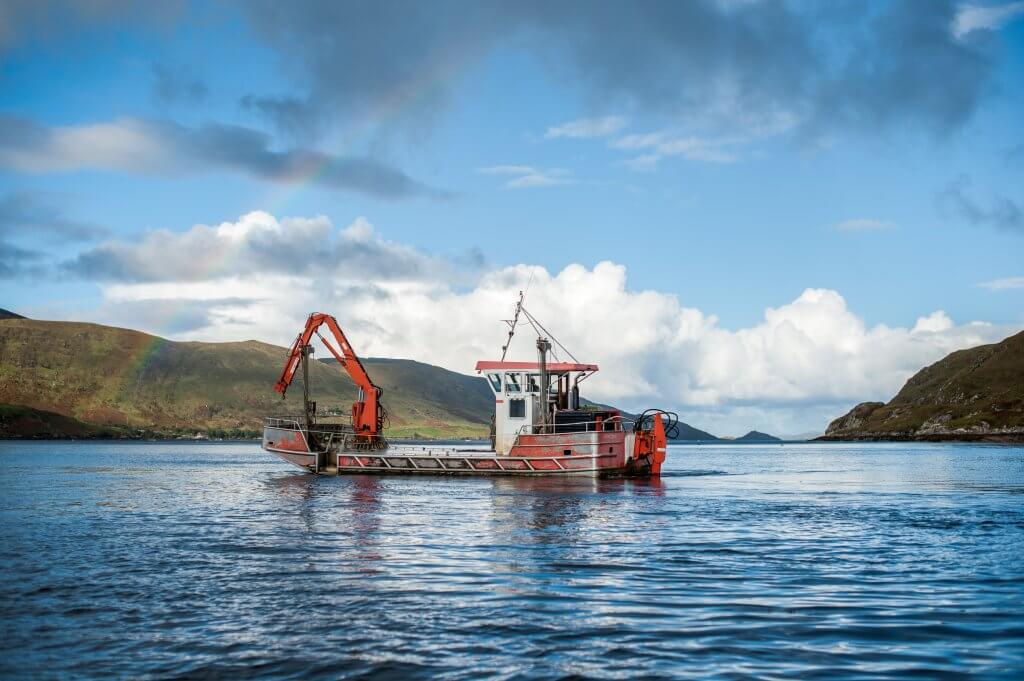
85,380
973,394
133,382
427,397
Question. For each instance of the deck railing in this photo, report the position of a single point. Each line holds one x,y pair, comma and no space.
613,423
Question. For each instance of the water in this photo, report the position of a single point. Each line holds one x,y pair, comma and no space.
214,560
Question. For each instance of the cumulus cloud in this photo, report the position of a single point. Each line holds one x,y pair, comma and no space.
587,127
522,177
806,361
862,225
1001,212
145,146
256,243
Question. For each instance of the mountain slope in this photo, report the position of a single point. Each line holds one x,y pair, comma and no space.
80,379
7,314
107,376
971,394
427,398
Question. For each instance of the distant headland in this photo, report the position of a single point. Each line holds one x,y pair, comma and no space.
971,395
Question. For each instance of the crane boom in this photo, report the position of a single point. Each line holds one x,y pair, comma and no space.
367,412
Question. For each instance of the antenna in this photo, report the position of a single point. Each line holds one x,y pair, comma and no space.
512,326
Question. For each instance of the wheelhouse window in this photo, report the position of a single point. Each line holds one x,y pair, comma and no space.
513,383
517,409
495,380
533,383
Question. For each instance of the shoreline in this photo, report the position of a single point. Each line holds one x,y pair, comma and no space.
989,438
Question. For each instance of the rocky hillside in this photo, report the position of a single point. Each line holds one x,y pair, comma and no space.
973,394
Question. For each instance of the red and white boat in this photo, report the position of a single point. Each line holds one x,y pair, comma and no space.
539,426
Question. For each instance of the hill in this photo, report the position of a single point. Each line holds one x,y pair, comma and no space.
132,383
7,314
71,379
973,394
757,436
687,433
429,396
684,431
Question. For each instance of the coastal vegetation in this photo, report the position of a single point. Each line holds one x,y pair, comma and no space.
70,379
972,394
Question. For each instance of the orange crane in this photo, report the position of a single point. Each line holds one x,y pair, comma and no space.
367,410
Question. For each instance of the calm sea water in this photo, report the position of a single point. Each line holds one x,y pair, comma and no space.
805,561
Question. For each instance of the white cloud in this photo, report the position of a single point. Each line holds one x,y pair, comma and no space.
977,17
1003,284
587,127
658,145
522,177
863,225
806,361
256,242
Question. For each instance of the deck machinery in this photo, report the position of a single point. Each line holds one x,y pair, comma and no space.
539,427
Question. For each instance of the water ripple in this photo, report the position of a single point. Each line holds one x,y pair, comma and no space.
159,560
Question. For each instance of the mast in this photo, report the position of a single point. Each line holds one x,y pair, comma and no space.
512,326
543,346
308,407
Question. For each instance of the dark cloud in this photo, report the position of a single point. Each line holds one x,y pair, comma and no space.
374,60
827,67
172,85
889,73
290,114
16,262
1002,212
31,214
816,68
22,21
134,145
244,148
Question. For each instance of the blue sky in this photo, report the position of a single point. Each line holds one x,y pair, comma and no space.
727,156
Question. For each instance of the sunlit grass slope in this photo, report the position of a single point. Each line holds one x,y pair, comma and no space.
970,393
133,382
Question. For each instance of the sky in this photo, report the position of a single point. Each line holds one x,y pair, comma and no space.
756,213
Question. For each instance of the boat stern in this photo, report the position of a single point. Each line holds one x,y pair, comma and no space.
286,439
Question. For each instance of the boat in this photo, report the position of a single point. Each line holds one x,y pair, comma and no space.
540,426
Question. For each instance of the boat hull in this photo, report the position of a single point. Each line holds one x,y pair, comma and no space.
604,454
